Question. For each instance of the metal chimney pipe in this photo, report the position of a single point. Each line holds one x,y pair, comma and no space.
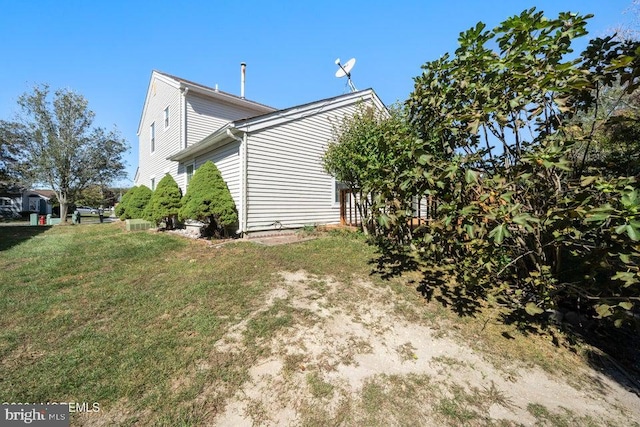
243,68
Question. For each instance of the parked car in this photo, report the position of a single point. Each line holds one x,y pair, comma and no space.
86,210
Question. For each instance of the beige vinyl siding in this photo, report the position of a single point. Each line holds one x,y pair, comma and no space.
227,160
286,184
167,140
205,116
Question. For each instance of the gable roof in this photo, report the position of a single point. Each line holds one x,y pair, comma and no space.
275,118
209,92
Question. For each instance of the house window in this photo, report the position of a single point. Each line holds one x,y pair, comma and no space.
189,173
153,183
337,186
166,117
152,134
5,201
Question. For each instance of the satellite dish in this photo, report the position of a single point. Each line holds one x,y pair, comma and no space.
345,70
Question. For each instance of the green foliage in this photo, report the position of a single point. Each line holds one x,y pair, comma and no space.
165,202
94,196
138,202
60,146
529,218
208,200
121,209
133,203
367,148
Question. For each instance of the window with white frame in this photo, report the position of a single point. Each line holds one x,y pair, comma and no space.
166,117
189,170
152,136
337,187
5,201
153,183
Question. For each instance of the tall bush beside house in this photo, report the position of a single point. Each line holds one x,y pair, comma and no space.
533,215
138,202
165,203
121,209
535,225
209,200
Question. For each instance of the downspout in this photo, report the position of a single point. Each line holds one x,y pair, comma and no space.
242,221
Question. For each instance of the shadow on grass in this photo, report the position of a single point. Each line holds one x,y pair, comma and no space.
11,235
393,261
614,352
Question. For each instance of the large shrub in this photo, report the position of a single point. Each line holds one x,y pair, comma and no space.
208,200
124,201
528,217
165,202
137,202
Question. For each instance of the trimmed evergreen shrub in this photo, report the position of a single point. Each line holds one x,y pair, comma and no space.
121,209
208,200
138,202
165,202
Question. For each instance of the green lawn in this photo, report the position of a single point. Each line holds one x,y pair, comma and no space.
92,313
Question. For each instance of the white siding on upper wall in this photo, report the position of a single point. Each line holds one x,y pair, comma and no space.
167,141
205,116
286,184
227,160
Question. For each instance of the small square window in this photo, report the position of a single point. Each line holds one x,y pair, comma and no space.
166,117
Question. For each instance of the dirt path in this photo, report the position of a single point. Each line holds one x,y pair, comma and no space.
349,357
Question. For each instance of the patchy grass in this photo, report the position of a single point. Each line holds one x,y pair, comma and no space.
135,321
561,418
91,313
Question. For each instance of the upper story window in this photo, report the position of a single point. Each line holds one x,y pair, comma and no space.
152,136
166,117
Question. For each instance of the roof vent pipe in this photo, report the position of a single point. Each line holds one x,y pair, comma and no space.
243,68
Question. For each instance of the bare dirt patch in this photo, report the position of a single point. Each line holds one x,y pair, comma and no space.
346,355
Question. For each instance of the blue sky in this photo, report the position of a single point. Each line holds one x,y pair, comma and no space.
106,50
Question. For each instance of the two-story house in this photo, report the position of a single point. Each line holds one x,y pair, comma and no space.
270,159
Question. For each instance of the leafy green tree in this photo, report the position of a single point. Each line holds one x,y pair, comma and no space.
366,150
9,153
93,196
165,202
137,203
208,200
61,148
523,219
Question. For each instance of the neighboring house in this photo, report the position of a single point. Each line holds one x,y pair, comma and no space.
270,159
15,201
